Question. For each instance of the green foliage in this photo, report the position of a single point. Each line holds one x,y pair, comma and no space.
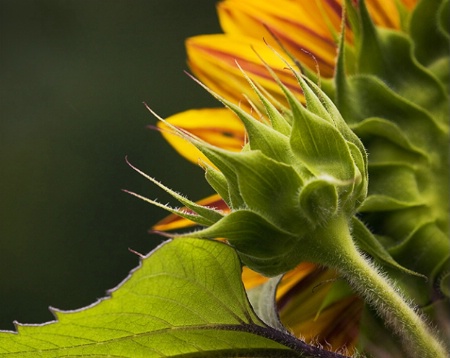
185,300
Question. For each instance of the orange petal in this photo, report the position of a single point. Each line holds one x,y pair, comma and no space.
217,126
172,221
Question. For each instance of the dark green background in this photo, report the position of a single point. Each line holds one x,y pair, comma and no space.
73,76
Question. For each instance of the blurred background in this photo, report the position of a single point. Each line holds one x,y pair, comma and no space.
73,76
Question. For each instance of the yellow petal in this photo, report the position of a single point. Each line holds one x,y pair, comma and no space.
217,126
213,59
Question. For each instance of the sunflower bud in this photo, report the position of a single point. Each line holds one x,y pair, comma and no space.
300,171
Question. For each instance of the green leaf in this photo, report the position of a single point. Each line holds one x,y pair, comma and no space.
185,300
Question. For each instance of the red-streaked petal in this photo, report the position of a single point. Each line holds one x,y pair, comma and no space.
304,27
385,13
213,59
173,222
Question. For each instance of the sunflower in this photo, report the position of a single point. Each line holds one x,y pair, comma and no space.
313,302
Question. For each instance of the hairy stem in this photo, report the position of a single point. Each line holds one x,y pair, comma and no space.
379,292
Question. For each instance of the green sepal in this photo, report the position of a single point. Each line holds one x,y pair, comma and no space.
261,245
444,284
337,120
320,146
352,15
318,103
207,216
262,299
433,245
326,84
319,201
218,182
387,54
219,158
261,136
400,225
368,243
277,120
180,212
311,124
404,15
216,156
380,127
392,187
358,193
269,188
429,31
366,96
443,24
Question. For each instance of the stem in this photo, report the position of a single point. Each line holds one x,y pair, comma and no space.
381,294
